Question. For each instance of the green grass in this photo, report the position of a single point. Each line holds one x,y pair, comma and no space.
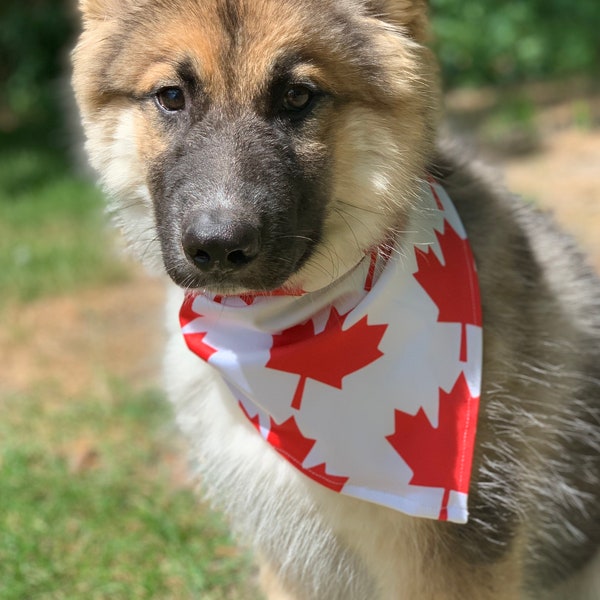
115,527
51,224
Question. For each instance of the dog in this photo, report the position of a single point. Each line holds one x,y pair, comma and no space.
265,152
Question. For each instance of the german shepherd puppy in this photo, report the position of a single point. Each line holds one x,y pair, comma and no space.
258,145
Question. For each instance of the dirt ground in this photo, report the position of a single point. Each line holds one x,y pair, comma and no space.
564,177
69,345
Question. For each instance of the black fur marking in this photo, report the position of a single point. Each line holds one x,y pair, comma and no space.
186,72
243,168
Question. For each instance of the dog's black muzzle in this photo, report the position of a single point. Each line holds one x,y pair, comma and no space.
234,207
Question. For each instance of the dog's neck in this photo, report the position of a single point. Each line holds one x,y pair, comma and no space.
370,385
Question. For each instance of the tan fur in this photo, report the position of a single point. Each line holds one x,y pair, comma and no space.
536,490
409,14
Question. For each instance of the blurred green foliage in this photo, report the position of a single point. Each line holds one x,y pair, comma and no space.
499,41
478,42
35,36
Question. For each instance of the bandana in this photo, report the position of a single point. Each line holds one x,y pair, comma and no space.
369,386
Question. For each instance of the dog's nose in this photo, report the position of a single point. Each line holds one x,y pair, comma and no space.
215,243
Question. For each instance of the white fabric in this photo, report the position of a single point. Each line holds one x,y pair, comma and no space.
371,385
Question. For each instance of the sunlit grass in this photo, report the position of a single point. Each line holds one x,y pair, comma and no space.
89,509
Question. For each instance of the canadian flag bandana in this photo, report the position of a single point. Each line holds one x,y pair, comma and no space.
371,385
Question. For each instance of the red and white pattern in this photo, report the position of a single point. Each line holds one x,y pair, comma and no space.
371,385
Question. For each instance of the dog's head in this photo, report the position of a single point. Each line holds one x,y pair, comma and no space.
256,144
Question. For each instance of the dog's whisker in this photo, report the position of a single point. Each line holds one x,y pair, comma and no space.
356,207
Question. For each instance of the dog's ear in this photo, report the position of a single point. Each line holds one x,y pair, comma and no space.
411,15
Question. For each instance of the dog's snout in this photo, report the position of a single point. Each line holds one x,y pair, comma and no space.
212,242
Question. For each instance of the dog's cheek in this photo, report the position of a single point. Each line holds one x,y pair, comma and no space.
371,181
118,145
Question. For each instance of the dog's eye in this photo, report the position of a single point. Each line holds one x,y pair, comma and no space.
171,99
297,98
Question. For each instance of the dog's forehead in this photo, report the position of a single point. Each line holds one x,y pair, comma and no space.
235,46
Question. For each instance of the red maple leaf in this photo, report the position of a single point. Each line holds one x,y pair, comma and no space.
186,313
440,456
254,420
289,441
453,285
327,356
194,341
